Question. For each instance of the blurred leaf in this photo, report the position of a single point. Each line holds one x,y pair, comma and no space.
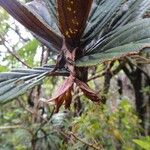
143,143
28,51
146,90
3,68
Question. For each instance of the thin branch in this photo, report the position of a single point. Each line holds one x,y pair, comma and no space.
16,30
42,55
84,142
126,71
137,66
142,60
57,73
30,111
96,76
10,127
14,54
17,57
114,72
69,134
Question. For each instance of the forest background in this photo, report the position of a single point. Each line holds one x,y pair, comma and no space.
123,122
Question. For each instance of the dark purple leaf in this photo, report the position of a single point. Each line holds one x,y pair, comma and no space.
88,92
31,21
63,94
72,16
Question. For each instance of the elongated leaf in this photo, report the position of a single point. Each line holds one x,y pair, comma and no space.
20,89
63,88
112,54
19,81
63,94
31,21
109,15
5,82
122,36
8,75
51,6
136,11
72,16
139,32
41,8
88,92
100,19
143,143
7,86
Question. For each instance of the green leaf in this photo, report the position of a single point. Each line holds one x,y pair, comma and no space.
122,35
143,143
140,30
19,81
100,18
112,54
29,49
109,15
118,43
19,87
3,68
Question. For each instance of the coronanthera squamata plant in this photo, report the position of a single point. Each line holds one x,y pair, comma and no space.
82,33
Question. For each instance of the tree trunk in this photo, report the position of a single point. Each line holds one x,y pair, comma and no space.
140,79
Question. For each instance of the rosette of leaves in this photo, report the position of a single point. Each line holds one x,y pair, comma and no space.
83,33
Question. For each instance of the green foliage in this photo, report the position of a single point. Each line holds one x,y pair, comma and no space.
102,127
99,126
3,68
146,89
4,25
102,35
143,142
28,51
22,126
119,43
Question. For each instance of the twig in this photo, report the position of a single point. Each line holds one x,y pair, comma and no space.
17,57
96,76
42,55
13,54
30,111
69,134
10,127
137,66
147,61
16,30
90,145
114,72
